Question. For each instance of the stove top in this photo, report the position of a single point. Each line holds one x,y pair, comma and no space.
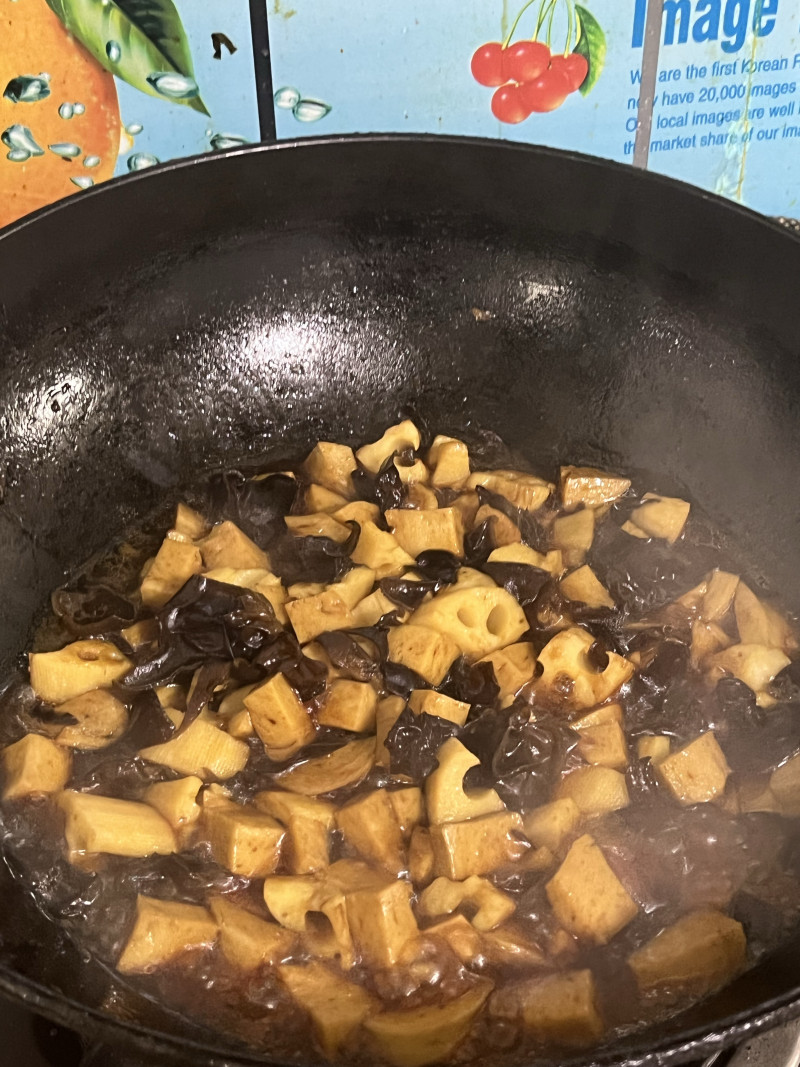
776,1048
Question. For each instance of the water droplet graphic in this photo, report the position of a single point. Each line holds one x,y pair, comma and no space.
66,111
91,161
82,182
27,89
78,108
287,97
221,141
65,149
310,110
18,136
133,128
174,86
142,160
18,155
113,51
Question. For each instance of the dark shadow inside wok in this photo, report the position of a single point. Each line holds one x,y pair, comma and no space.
235,309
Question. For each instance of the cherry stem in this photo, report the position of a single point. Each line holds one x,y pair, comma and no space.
545,6
549,8
521,12
570,26
550,24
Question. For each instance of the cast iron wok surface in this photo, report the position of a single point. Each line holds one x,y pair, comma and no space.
238,308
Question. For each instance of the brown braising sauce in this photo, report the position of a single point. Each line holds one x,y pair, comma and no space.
405,756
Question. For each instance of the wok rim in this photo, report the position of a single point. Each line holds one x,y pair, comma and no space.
632,173
663,1051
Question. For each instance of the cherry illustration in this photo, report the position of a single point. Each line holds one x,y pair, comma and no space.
508,105
547,92
525,60
574,65
487,64
526,75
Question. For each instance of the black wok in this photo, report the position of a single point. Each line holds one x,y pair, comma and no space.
228,309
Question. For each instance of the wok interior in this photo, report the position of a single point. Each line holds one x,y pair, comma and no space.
237,310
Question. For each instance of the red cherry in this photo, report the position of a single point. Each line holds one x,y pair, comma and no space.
525,60
508,106
575,66
546,92
487,64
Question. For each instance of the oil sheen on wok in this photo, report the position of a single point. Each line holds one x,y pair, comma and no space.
409,755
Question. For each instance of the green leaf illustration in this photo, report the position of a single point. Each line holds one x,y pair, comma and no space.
592,45
137,40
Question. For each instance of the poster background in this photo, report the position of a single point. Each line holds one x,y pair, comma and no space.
408,69
405,67
761,173
77,85
227,86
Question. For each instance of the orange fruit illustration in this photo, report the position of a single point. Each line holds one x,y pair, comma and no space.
33,41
